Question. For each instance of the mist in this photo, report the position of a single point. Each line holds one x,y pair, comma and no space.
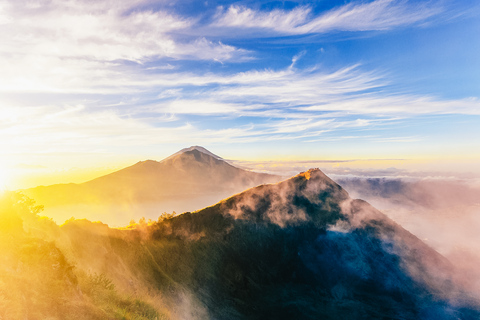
443,212
442,208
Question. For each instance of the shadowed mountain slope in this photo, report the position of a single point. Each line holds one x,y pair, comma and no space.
190,179
299,249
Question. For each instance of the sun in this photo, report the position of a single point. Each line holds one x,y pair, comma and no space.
5,178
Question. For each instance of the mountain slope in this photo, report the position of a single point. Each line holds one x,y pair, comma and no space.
38,280
190,179
299,249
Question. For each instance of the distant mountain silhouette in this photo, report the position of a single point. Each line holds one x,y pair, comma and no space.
190,179
298,249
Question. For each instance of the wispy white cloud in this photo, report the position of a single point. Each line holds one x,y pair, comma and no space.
62,31
82,129
286,104
269,93
244,17
355,16
53,129
405,104
200,107
50,45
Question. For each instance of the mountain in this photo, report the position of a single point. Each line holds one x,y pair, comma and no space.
198,148
190,179
298,249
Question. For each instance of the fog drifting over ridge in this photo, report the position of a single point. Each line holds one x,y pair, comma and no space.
441,208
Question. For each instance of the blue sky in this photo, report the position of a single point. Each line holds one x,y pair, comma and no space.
99,83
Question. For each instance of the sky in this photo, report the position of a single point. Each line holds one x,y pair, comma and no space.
87,87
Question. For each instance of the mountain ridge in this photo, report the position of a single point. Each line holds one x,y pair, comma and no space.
299,248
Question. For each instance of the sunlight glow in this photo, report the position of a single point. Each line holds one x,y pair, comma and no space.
5,178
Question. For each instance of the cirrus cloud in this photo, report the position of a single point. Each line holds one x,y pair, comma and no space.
375,15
